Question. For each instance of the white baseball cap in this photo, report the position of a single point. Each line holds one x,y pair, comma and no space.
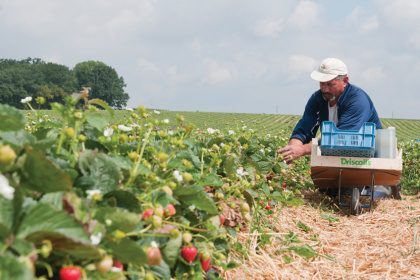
329,69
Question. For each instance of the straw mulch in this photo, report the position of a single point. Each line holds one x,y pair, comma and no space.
381,244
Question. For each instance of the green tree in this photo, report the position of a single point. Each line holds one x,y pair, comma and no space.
34,77
103,81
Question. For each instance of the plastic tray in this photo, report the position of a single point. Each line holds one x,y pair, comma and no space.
352,143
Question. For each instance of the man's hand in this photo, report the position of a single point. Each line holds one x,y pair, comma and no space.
294,150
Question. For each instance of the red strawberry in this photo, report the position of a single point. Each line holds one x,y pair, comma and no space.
222,219
70,273
118,264
205,261
284,185
170,210
189,253
269,177
147,213
154,257
268,206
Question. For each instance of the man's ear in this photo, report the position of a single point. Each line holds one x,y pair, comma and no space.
346,79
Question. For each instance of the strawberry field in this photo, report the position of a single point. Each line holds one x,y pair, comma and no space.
90,193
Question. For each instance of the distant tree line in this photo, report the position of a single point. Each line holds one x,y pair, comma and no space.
35,77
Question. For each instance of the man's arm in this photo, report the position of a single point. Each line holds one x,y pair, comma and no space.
294,150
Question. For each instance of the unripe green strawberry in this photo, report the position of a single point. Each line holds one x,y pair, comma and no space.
133,155
174,233
156,221
172,185
81,137
219,195
123,138
159,210
162,157
78,115
186,237
40,100
149,276
167,190
69,131
245,207
104,265
187,177
7,155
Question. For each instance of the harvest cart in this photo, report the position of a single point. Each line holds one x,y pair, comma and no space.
354,173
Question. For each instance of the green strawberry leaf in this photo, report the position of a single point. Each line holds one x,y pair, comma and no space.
11,119
42,175
194,195
11,269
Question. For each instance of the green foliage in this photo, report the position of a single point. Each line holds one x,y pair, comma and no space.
88,188
410,182
103,82
33,77
54,82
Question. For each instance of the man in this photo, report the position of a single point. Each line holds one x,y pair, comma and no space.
347,105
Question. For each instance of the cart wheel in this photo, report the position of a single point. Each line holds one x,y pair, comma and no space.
355,202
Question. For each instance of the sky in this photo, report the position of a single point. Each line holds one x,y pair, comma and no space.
227,55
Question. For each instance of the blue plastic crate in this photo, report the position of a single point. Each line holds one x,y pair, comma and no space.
352,143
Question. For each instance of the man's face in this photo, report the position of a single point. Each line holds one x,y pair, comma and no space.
332,89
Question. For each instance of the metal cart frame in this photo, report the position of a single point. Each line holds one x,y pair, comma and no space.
354,173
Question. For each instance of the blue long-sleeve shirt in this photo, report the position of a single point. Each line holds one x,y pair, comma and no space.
354,107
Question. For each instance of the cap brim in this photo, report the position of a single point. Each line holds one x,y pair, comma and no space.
322,77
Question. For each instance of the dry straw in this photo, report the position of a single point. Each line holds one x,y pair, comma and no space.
381,244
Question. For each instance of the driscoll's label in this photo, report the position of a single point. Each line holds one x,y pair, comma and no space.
353,162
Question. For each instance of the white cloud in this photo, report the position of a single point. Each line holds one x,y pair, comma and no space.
216,73
414,40
301,64
195,47
358,19
400,12
175,76
305,15
269,27
373,74
146,66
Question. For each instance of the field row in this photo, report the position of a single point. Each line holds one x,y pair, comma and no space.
275,124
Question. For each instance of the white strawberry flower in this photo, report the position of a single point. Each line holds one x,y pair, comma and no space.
170,132
211,130
124,128
94,194
5,189
166,121
178,176
96,238
108,132
240,172
231,132
156,112
26,100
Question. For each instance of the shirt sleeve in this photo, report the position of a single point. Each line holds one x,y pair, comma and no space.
308,125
